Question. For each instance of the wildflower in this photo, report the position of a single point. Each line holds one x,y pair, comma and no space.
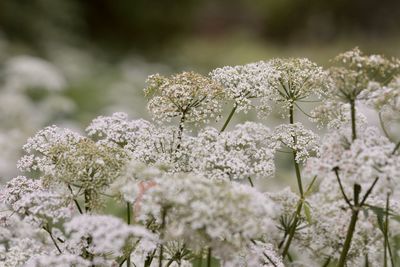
299,139
245,83
207,213
246,151
189,96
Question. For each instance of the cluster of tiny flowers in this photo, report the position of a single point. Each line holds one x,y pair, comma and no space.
243,83
188,95
324,238
207,213
246,151
141,140
279,82
385,99
303,142
37,205
257,254
158,194
295,79
358,162
354,71
63,156
105,237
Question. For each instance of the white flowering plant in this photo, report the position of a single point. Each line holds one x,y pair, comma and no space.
179,192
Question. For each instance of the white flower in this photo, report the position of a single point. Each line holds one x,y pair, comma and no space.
104,235
188,95
257,254
247,151
358,162
302,141
62,260
207,213
36,204
295,79
245,82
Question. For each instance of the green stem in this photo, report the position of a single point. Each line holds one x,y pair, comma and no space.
292,229
46,228
209,253
298,174
160,257
326,263
396,147
386,232
250,181
74,199
128,221
229,118
353,119
180,129
291,114
349,237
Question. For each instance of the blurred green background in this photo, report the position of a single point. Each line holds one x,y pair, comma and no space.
103,50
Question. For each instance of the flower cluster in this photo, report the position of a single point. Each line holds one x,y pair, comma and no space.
295,79
137,193
207,213
301,141
243,83
188,95
246,151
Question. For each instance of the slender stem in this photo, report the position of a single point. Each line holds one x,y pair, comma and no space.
300,186
386,232
128,221
160,257
298,174
296,165
265,254
209,253
46,228
292,229
180,129
369,191
349,237
353,119
250,181
396,147
341,187
229,118
74,199
354,216
291,114
149,258
326,263
128,212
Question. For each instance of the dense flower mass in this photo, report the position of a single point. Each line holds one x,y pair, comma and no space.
188,95
244,83
221,211
166,194
246,151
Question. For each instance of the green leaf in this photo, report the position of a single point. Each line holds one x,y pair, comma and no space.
380,215
307,212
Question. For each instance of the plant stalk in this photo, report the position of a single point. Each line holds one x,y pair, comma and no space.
229,118
353,119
